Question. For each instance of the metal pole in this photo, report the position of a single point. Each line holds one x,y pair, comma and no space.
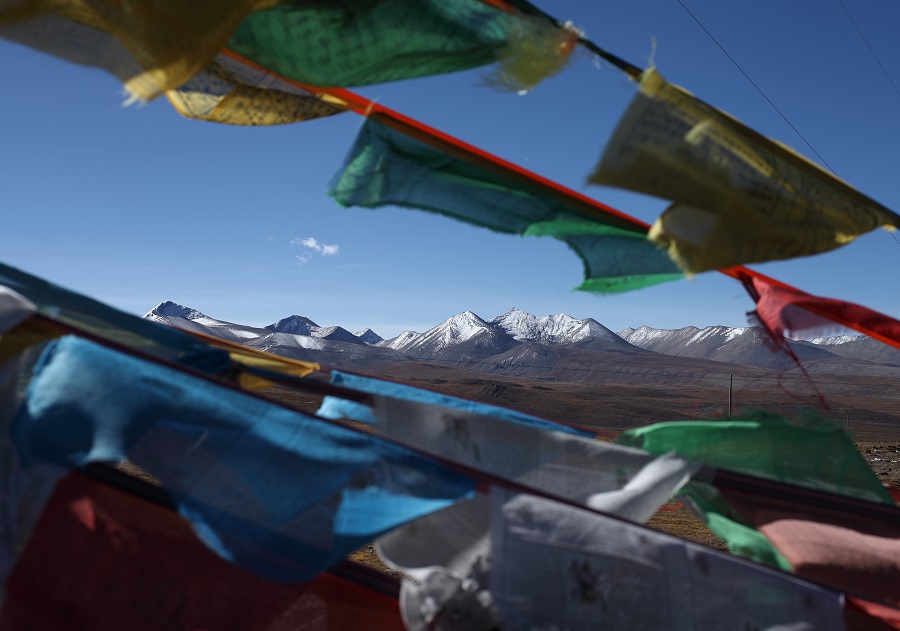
730,390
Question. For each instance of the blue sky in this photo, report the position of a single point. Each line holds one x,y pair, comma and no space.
136,205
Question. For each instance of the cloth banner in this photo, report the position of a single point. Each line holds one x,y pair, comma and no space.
23,494
386,167
846,551
280,493
738,196
101,559
151,45
558,567
805,452
335,408
783,310
228,91
446,552
14,309
211,355
360,43
565,465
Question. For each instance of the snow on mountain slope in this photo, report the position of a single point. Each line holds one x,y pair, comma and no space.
174,310
192,320
748,345
296,325
519,343
448,333
368,336
552,329
837,339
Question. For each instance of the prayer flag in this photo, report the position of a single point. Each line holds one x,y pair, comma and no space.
235,93
849,552
280,493
515,561
360,43
386,167
783,310
336,408
557,566
738,196
806,452
151,45
599,474
101,558
200,352
14,308
810,452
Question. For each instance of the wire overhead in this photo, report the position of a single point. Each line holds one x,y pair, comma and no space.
866,41
758,89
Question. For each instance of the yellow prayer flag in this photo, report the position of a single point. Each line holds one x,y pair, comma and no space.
151,45
739,197
235,93
252,358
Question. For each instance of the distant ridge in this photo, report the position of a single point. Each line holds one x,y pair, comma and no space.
554,347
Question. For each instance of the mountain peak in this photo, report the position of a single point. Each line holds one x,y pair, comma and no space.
552,329
368,336
174,310
295,325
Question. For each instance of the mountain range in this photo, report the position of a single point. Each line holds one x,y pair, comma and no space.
582,372
555,347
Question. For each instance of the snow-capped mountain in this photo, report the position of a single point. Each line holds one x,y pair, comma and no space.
368,336
552,329
751,346
295,325
173,310
552,347
296,337
464,332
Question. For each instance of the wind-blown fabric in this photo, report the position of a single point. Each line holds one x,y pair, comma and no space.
521,562
738,196
101,558
561,464
557,566
23,494
805,452
783,310
849,552
810,452
337,408
210,355
101,319
151,45
14,309
228,91
386,167
448,553
277,492
327,43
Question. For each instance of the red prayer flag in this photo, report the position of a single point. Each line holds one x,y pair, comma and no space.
101,558
782,309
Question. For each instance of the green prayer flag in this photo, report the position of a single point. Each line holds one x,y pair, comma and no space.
804,451
343,43
614,259
386,167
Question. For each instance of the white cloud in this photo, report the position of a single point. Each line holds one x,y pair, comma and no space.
313,244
